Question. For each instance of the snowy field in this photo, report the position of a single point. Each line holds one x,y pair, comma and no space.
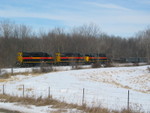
107,87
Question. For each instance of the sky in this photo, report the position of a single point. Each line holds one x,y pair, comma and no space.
115,17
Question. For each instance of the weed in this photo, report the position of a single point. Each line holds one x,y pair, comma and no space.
62,106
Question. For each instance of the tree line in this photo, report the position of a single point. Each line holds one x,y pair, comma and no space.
83,39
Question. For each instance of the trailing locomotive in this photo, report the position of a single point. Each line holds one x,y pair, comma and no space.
36,58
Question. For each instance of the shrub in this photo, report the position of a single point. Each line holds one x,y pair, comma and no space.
135,64
0,71
148,68
46,69
109,64
96,65
43,69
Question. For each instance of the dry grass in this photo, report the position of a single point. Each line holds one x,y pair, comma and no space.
5,76
36,72
61,106
8,111
8,75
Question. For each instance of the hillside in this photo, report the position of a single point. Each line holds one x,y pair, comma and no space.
106,87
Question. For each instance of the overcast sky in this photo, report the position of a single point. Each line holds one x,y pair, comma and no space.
114,17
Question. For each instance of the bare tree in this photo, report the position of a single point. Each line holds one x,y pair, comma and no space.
6,28
25,31
91,30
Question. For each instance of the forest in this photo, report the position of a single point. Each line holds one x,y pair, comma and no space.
83,39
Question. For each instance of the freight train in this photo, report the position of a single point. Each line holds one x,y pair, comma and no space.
25,59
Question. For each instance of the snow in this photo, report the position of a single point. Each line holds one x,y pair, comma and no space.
107,87
24,108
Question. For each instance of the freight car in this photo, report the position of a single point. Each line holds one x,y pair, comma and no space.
25,59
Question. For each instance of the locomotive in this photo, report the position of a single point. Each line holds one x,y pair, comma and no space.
25,59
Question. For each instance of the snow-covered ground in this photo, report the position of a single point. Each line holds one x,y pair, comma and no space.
107,87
